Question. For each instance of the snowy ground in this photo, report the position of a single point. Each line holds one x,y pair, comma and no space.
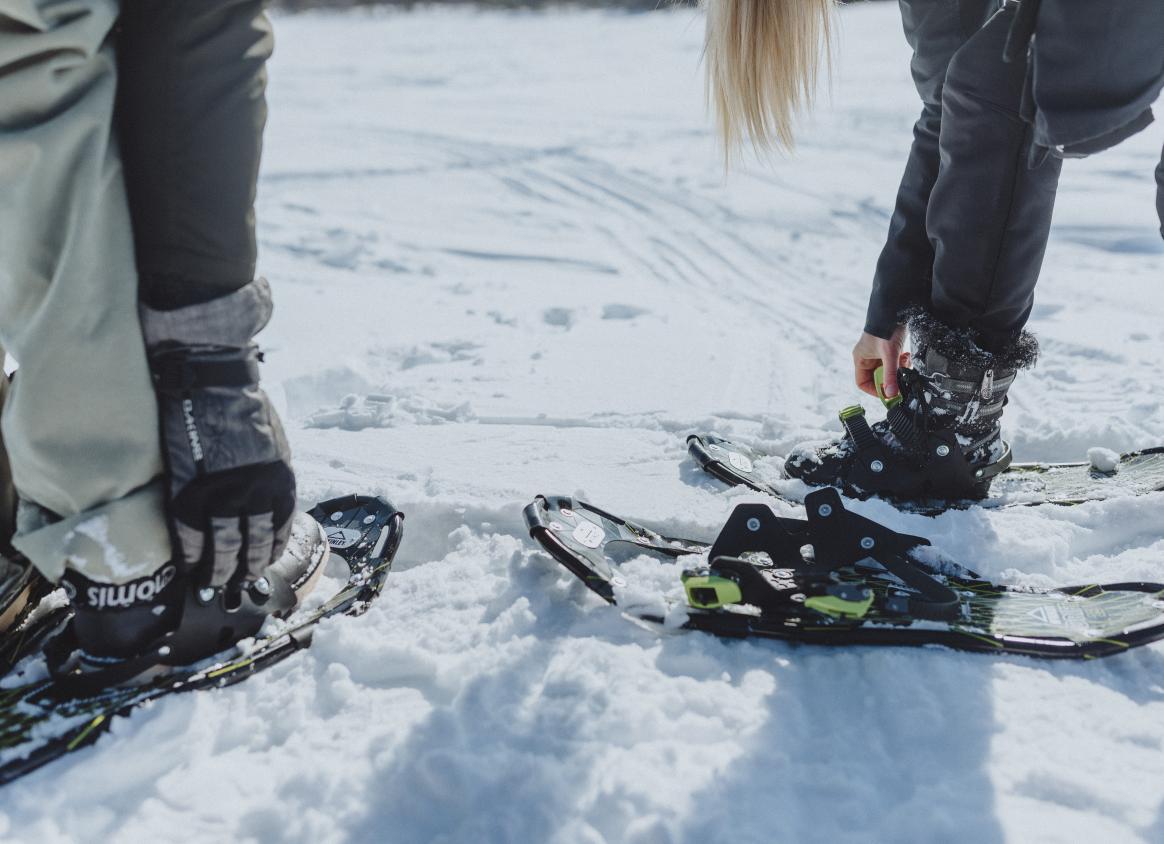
518,227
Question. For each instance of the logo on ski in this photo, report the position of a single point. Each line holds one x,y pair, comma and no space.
338,537
589,534
739,462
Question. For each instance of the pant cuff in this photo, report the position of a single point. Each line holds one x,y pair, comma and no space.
114,543
968,346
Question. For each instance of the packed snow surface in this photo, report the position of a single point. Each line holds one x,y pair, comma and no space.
507,261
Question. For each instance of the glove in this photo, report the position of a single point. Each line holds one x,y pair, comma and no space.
230,488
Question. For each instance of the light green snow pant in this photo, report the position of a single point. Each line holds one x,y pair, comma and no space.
80,422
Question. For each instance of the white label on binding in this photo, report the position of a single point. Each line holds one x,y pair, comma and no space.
338,537
589,534
740,462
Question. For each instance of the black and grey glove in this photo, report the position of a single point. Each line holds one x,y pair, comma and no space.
230,488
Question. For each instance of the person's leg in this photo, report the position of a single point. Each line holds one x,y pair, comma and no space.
935,31
964,246
190,116
191,111
80,424
989,213
1160,192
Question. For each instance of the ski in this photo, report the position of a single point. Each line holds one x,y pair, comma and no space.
836,578
39,724
1023,484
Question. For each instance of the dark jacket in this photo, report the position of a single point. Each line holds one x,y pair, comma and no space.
1096,69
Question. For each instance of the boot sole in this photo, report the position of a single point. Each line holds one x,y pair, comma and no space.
307,584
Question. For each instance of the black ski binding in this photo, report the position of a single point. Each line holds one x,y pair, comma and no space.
779,565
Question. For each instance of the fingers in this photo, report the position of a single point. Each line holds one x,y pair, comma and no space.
889,374
263,544
191,543
260,543
228,543
282,537
872,352
864,376
892,357
863,367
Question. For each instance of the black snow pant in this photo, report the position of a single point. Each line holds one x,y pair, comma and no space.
189,115
969,231
970,227
191,110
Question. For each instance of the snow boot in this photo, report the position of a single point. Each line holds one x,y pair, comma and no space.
21,588
941,439
133,632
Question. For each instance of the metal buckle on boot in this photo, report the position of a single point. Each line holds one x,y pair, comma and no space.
987,390
939,382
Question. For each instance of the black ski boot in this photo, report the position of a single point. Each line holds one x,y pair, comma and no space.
133,632
941,438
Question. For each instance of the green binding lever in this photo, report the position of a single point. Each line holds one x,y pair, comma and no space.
879,382
850,606
710,592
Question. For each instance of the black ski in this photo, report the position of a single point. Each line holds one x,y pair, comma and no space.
38,724
838,579
1023,484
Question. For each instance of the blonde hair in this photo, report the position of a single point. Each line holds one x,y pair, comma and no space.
764,59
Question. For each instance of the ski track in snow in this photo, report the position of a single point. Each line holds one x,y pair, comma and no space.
507,262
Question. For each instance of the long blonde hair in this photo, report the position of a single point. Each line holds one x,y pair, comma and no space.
764,59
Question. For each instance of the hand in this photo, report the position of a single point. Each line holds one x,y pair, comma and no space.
872,352
231,491
231,498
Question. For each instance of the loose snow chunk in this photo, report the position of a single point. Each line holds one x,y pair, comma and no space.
646,586
1103,459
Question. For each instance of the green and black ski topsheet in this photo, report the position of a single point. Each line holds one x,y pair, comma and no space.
836,578
1136,473
39,724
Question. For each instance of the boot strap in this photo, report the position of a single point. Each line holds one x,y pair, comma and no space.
943,383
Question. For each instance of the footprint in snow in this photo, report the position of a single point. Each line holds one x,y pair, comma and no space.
620,311
563,317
